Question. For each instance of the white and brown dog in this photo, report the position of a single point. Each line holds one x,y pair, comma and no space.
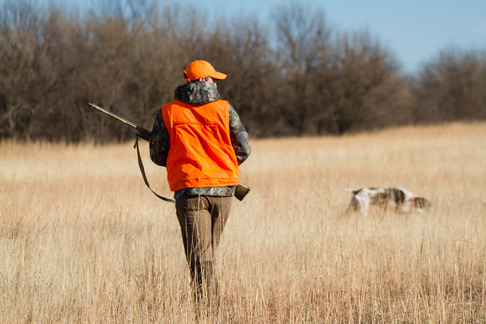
403,199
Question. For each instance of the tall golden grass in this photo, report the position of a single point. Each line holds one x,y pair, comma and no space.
83,240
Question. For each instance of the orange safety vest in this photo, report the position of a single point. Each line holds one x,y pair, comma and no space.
201,154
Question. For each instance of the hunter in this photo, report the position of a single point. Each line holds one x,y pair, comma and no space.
201,141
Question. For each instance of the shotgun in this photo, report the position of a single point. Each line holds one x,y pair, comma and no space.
240,192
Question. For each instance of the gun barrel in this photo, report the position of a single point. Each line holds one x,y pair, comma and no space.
143,133
123,120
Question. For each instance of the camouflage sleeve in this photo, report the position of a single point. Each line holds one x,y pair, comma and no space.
239,136
159,141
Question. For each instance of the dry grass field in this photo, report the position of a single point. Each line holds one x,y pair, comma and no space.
82,240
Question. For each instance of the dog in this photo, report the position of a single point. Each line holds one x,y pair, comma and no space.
403,199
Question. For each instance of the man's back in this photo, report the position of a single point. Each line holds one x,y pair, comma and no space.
201,151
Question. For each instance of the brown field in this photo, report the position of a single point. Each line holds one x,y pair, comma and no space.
82,240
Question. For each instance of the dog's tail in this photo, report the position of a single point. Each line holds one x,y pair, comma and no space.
351,190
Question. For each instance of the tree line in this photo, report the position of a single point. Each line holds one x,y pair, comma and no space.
294,75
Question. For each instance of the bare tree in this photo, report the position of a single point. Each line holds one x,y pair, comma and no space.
32,67
303,46
335,83
451,87
362,88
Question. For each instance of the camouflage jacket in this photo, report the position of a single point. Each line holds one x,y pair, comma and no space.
199,93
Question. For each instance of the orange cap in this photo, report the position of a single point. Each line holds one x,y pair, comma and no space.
199,68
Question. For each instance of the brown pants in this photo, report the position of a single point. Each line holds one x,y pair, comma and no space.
202,220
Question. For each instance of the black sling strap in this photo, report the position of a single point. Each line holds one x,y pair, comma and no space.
142,170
